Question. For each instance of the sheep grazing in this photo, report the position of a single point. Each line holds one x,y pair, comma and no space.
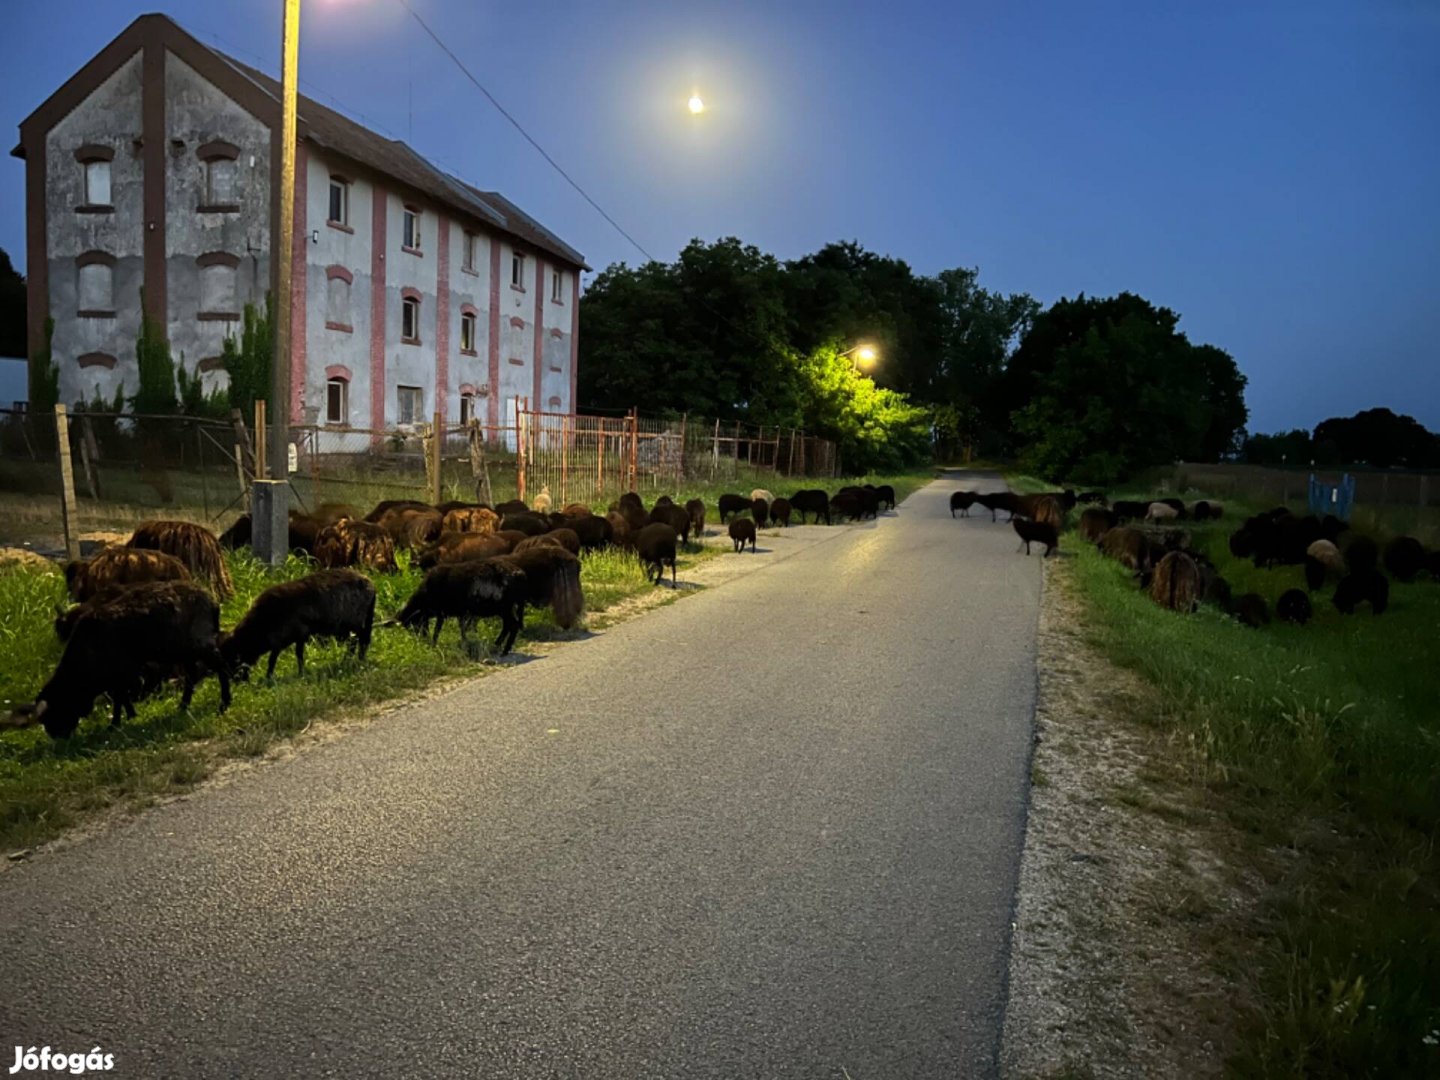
467,591
760,511
1275,539
118,566
1205,510
593,532
999,500
331,604
847,504
156,625
476,519
1251,609
1365,586
1361,555
194,545
696,509
1294,607
1128,546
1159,511
1046,510
1096,498
663,500
529,524
621,534
1432,564
355,543
1404,558
869,502
761,493
386,505
411,527
1095,523
510,536
454,547
1175,583
655,544
1128,510
1321,556
1036,532
886,494
630,498
542,501
962,501
742,531
676,518
566,539
576,510
811,501
780,512
731,504
514,506
1214,589
552,577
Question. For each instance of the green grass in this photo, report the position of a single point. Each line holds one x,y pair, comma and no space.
1323,742
47,787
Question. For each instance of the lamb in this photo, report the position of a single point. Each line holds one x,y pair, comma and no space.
1095,523
1252,610
655,544
326,604
696,509
542,501
355,543
468,591
761,493
731,504
1159,511
1321,556
565,539
552,577
676,518
780,512
742,531
1175,584
118,566
1362,586
962,501
886,494
454,547
1404,558
194,545
1036,532
1294,607
1128,546
811,501
760,511
476,519
1175,504
153,625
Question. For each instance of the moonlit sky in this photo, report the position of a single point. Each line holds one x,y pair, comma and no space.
1269,170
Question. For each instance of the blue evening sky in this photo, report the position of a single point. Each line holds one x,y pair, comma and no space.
1269,170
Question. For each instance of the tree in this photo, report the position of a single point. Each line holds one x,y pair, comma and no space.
876,429
1284,447
155,393
14,318
44,375
1376,437
247,361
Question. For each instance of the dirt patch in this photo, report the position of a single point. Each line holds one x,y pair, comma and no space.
1132,892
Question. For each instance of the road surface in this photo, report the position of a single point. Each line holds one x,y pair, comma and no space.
771,831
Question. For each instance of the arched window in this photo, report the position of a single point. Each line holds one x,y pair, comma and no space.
337,298
467,408
467,331
95,289
410,317
221,176
337,400
217,285
95,161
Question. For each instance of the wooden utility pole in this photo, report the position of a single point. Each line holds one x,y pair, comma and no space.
69,515
432,458
260,445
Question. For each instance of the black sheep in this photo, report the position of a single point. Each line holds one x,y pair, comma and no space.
1095,523
886,494
160,625
1128,510
780,512
1035,532
848,505
385,506
811,501
513,506
696,509
594,532
467,591
655,544
731,504
742,531
1361,555
869,501
999,500
529,524
1404,558
663,500
962,501
676,518
326,604
1432,564
552,577
1294,607
1365,586
760,511
1251,610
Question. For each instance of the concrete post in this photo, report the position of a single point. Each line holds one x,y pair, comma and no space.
270,521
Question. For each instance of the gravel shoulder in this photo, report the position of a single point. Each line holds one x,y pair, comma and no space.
1132,889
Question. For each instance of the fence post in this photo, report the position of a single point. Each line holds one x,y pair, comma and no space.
634,448
436,433
69,518
680,480
564,455
260,440
736,453
521,409
715,452
600,434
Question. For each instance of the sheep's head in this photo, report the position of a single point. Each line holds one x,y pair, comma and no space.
60,719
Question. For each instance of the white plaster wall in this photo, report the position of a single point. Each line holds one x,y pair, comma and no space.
474,289
110,116
557,350
409,365
516,342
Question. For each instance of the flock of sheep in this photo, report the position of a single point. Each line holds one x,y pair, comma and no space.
147,611
1144,537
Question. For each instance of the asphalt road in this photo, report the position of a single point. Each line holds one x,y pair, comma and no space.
771,831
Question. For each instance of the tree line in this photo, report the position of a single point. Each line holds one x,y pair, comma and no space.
1092,389
1376,437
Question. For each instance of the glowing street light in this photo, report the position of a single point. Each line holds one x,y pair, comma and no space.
865,354
697,105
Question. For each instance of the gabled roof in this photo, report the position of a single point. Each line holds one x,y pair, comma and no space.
327,129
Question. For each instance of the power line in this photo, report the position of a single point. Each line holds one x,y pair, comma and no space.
520,128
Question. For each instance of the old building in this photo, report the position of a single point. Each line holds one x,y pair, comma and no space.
148,173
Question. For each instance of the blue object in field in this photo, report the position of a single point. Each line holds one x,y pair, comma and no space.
1334,499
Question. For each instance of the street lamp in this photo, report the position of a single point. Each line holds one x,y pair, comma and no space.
865,354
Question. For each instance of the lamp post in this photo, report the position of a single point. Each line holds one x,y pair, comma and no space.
865,355
269,505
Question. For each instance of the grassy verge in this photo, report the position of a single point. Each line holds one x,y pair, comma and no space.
47,787
1322,743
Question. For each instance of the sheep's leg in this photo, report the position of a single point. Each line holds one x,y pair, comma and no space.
270,668
363,638
191,678
116,707
674,582
300,657
439,622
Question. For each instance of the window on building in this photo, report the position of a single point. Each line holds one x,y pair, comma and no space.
220,181
97,183
470,246
410,404
97,288
467,332
410,319
556,282
339,201
517,270
337,401
467,408
412,228
217,289
337,301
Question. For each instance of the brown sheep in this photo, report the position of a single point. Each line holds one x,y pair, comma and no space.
1130,547
194,545
622,535
349,543
1048,510
1095,523
412,526
574,510
1176,582
568,539
454,547
119,566
474,519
